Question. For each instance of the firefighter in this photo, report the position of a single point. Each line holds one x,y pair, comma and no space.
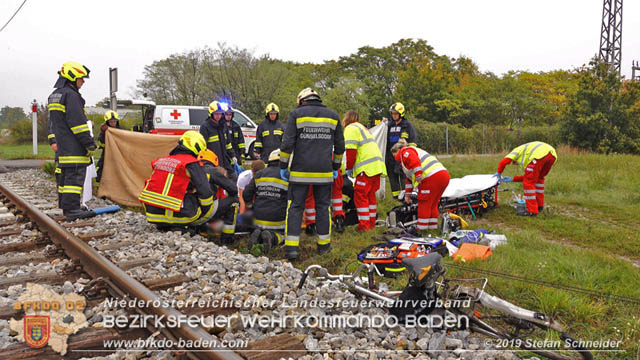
536,158
213,132
430,177
314,140
397,128
268,192
234,135
74,143
111,119
365,163
269,133
178,194
225,208
54,146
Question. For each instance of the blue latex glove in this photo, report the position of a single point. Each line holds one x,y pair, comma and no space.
335,174
284,174
507,179
498,175
350,173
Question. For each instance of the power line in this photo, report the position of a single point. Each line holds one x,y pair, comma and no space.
12,16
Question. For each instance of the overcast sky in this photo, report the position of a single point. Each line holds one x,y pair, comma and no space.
498,35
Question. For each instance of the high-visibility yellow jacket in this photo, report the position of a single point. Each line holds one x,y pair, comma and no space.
368,158
417,165
525,153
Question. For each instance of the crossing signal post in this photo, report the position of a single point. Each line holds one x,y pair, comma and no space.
34,126
113,88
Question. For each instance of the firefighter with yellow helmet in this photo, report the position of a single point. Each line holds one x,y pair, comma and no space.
269,134
398,127
314,142
69,131
178,194
111,120
213,132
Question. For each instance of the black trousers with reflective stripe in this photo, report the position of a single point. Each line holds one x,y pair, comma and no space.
71,178
395,174
227,210
297,196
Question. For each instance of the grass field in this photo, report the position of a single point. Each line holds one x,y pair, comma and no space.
24,151
586,237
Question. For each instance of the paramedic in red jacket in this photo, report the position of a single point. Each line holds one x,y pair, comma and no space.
429,175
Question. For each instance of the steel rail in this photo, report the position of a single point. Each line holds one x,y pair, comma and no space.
97,266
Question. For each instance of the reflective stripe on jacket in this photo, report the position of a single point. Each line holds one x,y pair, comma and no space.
418,164
525,153
68,127
217,142
168,183
268,192
268,138
315,140
368,158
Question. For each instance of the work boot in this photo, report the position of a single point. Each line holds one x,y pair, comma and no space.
310,229
323,249
540,208
291,253
74,214
339,221
255,237
267,241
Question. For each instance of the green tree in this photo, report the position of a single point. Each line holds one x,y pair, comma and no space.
11,115
603,115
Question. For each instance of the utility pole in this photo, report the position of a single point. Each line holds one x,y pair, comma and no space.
611,34
634,67
113,88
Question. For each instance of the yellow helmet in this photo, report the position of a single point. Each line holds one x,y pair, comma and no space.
110,115
193,141
208,155
73,71
307,93
272,108
399,108
218,107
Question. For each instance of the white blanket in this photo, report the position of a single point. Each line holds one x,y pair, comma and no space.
469,184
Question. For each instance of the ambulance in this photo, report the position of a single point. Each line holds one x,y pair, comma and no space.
176,119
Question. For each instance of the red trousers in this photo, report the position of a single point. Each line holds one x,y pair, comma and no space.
336,201
533,182
364,197
429,193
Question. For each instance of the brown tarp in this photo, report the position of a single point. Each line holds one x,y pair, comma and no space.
127,163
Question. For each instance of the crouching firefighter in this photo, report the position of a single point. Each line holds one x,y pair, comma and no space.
178,194
227,207
268,192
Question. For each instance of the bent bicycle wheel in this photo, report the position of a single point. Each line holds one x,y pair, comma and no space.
516,327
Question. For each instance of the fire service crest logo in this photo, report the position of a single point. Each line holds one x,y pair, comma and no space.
36,330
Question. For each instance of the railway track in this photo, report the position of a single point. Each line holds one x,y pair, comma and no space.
97,257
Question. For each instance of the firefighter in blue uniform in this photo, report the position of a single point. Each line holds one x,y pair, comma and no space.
68,125
269,133
398,127
314,139
212,130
